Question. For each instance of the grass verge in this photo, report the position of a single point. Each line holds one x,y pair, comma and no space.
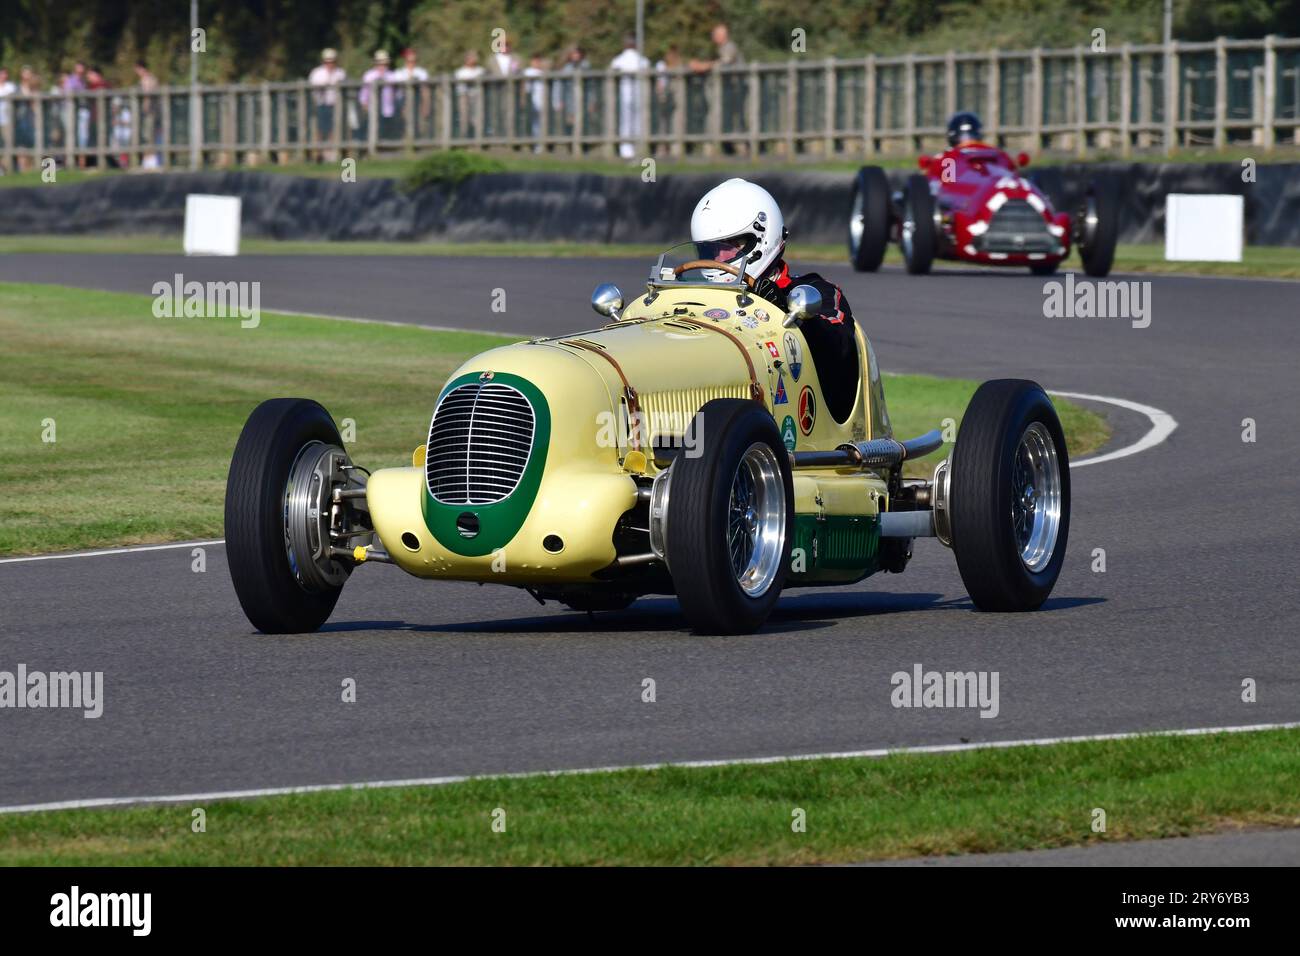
904,805
146,411
1272,262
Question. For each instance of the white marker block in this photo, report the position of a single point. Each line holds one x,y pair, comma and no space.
1203,228
212,225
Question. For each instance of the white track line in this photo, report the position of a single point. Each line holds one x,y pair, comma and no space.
96,554
102,802
1162,426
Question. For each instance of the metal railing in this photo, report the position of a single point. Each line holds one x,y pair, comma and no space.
1225,92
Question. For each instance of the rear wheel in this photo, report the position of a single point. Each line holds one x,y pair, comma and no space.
288,458
1096,227
730,519
869,219
917,234
1010,496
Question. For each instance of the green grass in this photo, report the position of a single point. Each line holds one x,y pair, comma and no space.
1277,262
147,411
899,806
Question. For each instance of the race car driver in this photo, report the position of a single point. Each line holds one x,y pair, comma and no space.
965,129
739,218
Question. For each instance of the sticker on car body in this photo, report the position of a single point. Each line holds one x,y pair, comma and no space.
793,354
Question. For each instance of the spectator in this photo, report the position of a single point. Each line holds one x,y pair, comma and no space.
535,96
503,62
326,79
29,84
412,77
376,79
150,128
733,88
7,89
728,53
467,93
631,106
566,96
97,108
665,96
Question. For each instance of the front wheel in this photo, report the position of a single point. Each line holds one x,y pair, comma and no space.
869,219
730,519
1096,228
1010,496
917,233
278,509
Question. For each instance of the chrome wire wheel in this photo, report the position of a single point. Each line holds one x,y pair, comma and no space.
756,519
1036,497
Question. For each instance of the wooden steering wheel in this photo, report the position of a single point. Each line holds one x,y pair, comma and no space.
714,264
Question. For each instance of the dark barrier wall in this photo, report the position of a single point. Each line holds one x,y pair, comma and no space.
579,207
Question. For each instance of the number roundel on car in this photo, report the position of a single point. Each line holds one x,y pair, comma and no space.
807,410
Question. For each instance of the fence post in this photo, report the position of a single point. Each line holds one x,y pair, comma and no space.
10,108
1171,96
372,120
1220,93
1080,102
448,92
715,110
830,106
909,103
1270,91
950,83
511,87
791,107
70,130
132,159
266,122
993,98
679,113
408,108
1125,98
753,113
38,118
1035,105
869,108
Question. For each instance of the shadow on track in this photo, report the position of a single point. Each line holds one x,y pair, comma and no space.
795,613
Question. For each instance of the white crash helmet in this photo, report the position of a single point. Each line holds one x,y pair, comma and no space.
734,218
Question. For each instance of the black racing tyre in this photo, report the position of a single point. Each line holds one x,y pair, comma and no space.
730,519
271,588
1009,496
1096,227
917,235
869,219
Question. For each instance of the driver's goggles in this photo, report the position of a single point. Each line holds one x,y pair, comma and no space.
725,250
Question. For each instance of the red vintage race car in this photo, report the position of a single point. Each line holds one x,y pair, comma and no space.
971,203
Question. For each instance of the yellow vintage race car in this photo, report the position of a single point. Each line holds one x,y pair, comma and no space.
692,445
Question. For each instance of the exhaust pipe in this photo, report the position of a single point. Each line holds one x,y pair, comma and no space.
883,454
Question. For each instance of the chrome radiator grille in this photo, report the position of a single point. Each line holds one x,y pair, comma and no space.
1017,227
479,444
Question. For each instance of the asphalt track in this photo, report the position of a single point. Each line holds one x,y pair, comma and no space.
1199,592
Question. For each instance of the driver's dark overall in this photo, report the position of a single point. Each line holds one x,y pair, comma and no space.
830,335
